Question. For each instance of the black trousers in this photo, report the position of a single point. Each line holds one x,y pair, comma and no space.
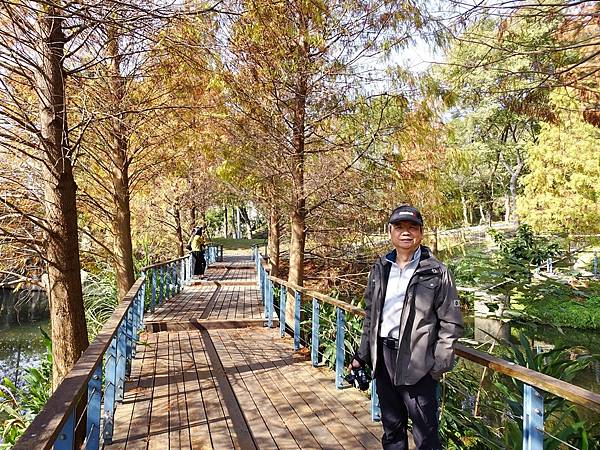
398,403
199,263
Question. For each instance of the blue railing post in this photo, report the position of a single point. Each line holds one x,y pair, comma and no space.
297,308
153,296
270,302
375,410
340,316
161,283
110,375
93,413
129,339
64,440
314,354
282,302
121,359
533,419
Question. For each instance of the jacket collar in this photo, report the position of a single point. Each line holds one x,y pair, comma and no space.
427,259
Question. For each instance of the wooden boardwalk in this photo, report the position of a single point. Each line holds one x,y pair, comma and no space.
208,375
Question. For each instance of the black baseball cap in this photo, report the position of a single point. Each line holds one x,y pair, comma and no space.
406,213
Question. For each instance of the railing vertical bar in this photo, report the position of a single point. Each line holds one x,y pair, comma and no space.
375,410
533,419
129,340
297,307
153,296
340,316
314,354
270,309
110,376
161,283
282,302
93,412
121,358
64,441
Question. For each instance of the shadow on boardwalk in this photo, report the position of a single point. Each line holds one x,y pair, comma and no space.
208,374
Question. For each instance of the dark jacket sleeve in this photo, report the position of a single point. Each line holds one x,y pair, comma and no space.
364,351
450,324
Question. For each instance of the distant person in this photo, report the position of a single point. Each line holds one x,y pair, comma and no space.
412,323
197,246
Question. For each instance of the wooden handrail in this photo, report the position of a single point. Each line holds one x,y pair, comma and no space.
545,382
152,266
46,426
542,381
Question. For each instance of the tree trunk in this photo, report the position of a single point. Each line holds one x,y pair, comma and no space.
226,222
178,229
434,247
463,201
298,213
274,233
193,216
238,224
123,248
67,317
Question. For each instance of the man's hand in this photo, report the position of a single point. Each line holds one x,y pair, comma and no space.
354,364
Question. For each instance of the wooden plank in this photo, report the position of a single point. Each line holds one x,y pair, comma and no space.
286,382
220,434
179,436
252,394
158,436
132,417
236,423
197,420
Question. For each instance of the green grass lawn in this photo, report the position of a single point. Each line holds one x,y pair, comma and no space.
237,244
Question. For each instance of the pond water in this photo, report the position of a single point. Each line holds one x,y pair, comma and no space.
21,346
544,337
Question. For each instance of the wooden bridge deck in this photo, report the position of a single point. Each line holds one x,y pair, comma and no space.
208,374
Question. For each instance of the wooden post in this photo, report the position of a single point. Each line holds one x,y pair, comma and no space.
314,354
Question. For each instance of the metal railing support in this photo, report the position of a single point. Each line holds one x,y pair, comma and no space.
270,305
297,306
282,303
93,412
121,360
340,320
375,410
109,391
314,353
153,296
533,419
65,441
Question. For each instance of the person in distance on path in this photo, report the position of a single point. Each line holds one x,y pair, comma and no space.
413,319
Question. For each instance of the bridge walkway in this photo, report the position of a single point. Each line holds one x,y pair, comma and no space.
208,374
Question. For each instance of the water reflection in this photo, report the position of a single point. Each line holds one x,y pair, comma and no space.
543,337
21,346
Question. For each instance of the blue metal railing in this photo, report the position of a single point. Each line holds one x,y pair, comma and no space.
101,371
534,382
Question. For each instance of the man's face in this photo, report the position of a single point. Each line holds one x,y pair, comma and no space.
406,236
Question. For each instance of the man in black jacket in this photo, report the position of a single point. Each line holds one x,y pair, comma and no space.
412,322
